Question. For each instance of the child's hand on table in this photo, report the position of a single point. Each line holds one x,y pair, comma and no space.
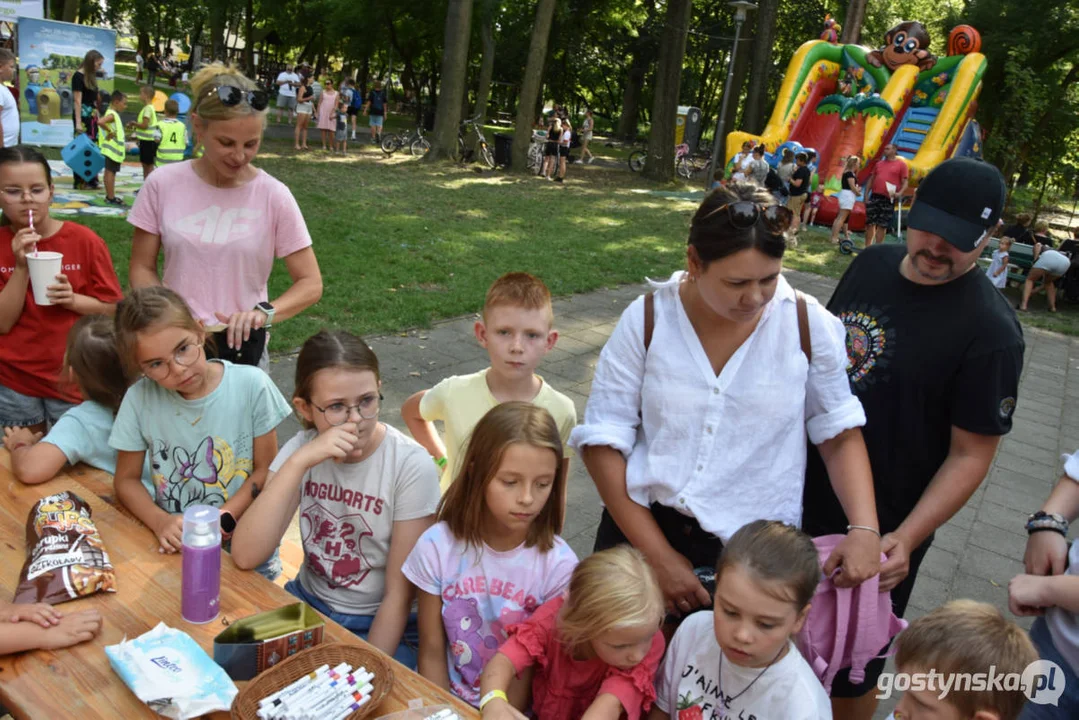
499,709
15,437
40,613
72,629
170,534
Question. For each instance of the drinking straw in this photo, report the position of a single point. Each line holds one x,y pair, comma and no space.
31,228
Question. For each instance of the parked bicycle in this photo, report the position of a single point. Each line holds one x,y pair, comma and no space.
480,149
686,163
414,141
535,151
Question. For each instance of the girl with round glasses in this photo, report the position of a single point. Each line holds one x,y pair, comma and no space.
365,493
207,426
221,222
702,428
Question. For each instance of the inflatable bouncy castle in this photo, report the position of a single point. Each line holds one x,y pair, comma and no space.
843,100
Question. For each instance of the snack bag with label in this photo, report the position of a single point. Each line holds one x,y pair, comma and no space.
65,558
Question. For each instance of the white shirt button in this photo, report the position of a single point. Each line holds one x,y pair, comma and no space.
681,501
709,429
700,467
715,391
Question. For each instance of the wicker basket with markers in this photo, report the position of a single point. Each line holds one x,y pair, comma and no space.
333,681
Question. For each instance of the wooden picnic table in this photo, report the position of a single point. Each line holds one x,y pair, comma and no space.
78,682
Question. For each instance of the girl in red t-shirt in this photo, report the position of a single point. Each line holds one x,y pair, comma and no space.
594,652
34,335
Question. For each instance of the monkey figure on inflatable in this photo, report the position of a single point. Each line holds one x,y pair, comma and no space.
905,44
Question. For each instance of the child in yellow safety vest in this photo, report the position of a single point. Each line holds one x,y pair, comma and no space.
173,136
110,139
146,131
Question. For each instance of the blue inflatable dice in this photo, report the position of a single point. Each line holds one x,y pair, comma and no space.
83,157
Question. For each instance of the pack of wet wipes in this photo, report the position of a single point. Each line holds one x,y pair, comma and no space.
172,674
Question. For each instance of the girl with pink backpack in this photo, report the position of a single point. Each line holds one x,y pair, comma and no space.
738,660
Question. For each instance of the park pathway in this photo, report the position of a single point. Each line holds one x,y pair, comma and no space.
975,554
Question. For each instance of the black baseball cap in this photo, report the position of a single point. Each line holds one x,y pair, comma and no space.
961,200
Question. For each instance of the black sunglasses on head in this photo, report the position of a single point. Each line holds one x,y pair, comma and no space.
744,214
230,95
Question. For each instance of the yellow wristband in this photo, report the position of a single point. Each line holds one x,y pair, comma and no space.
491,696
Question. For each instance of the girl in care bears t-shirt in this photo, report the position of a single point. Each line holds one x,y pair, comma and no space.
494,556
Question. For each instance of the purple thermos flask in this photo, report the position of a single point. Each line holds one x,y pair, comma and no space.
201,587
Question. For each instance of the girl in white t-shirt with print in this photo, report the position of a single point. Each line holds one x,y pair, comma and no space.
738,660
495,555
365,493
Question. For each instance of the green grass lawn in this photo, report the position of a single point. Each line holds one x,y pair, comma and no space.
402,244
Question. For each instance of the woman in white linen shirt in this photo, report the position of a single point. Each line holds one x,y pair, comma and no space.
705,431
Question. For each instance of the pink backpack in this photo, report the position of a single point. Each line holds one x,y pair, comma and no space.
846,627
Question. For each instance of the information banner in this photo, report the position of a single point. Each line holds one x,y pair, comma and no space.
12,10
50,53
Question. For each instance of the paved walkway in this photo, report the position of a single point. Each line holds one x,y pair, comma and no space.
975,554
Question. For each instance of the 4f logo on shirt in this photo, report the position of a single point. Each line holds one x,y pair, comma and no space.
217,226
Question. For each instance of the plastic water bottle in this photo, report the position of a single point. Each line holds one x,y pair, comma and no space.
201,588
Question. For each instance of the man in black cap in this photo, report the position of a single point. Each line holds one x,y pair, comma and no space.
935,356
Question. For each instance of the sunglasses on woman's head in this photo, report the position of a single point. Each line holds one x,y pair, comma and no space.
230,95
744,214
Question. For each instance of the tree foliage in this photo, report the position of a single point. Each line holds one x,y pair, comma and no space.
604,54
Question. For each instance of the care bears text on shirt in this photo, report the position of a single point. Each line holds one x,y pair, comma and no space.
479,585
336,493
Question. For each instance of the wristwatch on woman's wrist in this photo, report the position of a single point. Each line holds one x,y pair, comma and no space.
1043,521
269,309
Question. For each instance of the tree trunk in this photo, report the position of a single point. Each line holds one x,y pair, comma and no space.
672,51
71,10
852,22
143,42
487,66
218,20
452,88
249,37
530,84
757,98
631,97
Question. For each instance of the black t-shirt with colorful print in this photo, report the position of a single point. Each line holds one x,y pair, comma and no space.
923,358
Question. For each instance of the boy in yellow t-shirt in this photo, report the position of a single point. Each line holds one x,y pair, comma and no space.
146,131
516,330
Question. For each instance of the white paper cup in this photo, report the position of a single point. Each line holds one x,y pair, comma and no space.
44,267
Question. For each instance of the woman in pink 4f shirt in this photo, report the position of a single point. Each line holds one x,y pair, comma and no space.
221,222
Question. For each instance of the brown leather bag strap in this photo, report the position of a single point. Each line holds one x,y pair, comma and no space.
649,318
803,325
